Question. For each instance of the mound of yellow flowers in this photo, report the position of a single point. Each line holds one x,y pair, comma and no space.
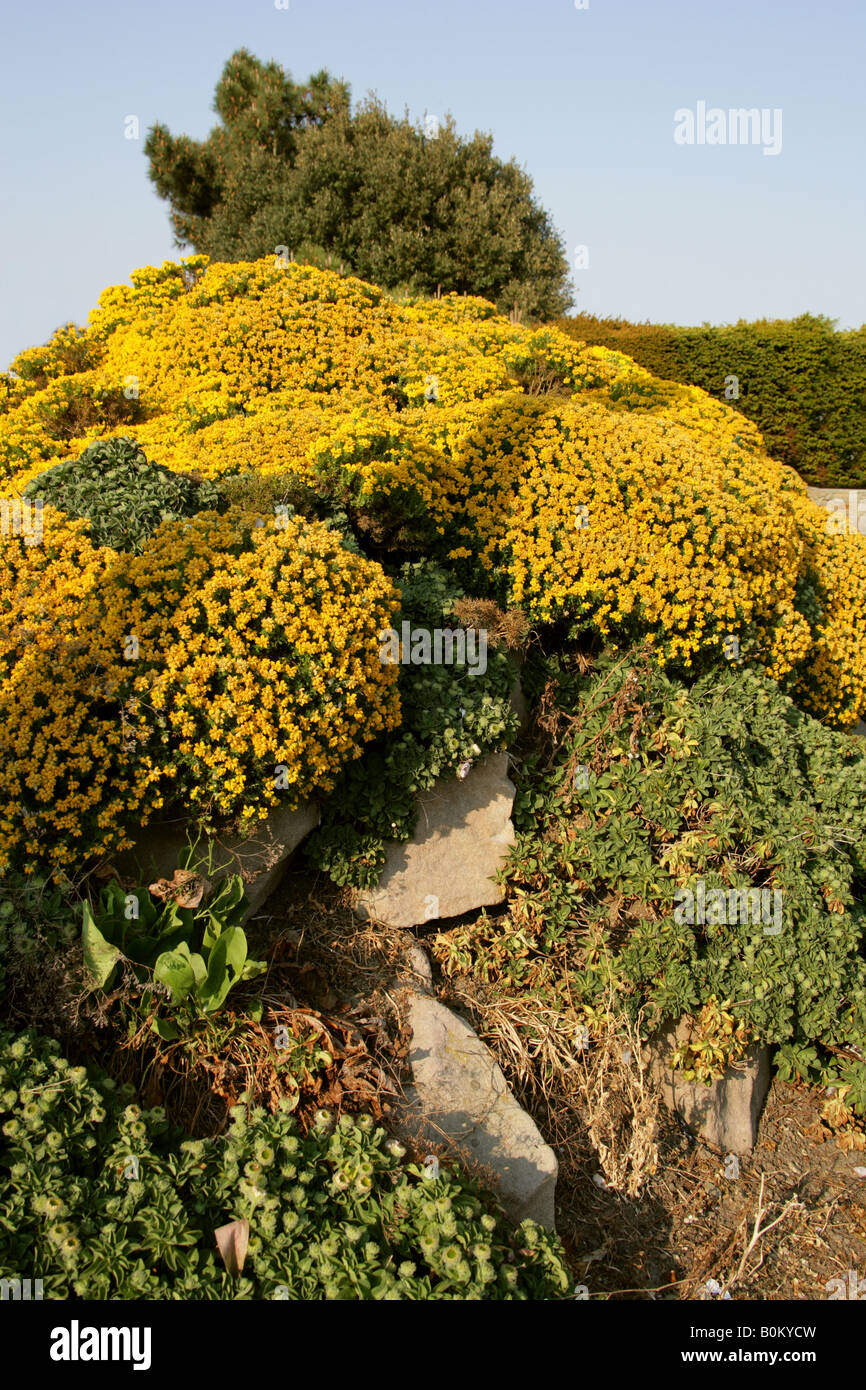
557,477
233,665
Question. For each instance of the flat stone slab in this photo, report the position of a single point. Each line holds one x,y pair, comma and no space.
459,1098
461,840
725,1114
261,859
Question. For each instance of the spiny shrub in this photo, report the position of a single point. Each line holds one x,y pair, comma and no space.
551,476
68,775
107,1201
70,350
124,497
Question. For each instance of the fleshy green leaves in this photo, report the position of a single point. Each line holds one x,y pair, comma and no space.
265,1210
124,497
179,971
193,956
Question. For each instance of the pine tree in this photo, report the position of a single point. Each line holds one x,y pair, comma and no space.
384,198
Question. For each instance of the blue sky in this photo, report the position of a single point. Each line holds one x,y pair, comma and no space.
583,98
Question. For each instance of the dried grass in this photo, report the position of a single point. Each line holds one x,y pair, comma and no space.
600,1090
503,628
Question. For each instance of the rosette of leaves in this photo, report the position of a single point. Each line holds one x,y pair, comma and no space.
104,1200
196,952
124,498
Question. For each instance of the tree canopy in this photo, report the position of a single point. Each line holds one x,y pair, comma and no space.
391,201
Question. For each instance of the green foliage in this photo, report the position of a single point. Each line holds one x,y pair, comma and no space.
801,381
36,917
107,1201
449,719
654,788
195,953
343,852
124,497
287,496
294,166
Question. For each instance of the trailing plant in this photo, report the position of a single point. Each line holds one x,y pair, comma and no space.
647,795
108,1201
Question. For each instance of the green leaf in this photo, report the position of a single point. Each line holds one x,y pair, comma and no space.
168,1031
225,967
175,969
235,942
100,956
171,919
199,969
226,908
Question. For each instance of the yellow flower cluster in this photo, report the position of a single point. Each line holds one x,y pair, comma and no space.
68,780
232,665
578,483
257,649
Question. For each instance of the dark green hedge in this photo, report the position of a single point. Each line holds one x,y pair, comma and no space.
802,381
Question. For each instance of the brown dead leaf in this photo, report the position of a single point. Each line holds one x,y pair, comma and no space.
816,1131
184,888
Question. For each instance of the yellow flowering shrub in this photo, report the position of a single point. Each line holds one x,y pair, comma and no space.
559,477
257,649
69,780
230,666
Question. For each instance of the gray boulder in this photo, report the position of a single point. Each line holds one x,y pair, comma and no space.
461,840
417,970
459,1099
260,859
725,1114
